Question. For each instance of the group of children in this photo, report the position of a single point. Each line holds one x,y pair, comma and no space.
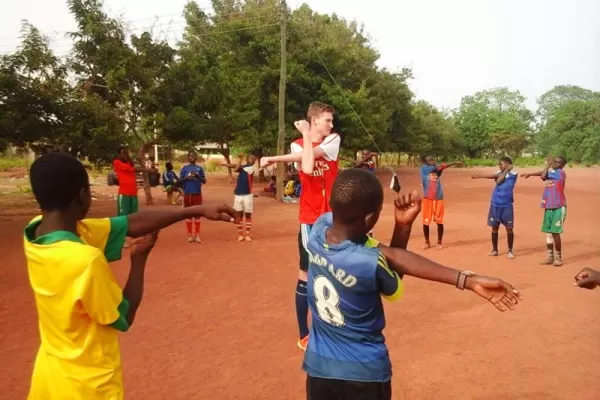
344,273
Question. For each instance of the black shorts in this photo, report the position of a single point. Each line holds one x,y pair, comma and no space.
303,246
334,389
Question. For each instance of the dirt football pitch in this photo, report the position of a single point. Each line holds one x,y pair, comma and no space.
218,320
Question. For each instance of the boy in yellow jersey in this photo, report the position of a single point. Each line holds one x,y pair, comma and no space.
80,306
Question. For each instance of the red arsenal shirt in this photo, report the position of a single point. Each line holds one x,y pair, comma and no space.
316,188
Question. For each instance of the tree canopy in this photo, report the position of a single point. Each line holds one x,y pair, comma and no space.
219,84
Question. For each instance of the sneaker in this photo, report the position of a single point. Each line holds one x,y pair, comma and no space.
190,239
547,261
558,262
440,246
426,246
240,238
493,253
197,239
248,238
510,255
302,343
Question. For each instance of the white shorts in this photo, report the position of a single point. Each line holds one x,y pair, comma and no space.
243,203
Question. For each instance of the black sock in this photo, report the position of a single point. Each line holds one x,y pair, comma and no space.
302,308
426,233
440,233
494,241
510,238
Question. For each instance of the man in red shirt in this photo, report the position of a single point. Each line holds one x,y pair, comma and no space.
127,200
317,153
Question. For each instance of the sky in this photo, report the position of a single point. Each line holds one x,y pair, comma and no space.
454,47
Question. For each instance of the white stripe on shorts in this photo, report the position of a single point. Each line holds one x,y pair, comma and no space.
304,231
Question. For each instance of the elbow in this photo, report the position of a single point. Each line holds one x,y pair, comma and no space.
308,169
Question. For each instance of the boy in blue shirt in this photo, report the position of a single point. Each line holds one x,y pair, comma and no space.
171,183
346,357
501,207
192,178
243,198
433,198
554,204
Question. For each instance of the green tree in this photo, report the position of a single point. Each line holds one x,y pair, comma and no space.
494,121
572,129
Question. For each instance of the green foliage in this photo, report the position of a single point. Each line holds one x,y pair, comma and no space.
494,122
220,85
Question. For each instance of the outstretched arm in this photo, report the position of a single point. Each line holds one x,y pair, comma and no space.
157,218
484,176
501,294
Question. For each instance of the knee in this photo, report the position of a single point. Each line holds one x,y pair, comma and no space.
495,229
549,238
509,230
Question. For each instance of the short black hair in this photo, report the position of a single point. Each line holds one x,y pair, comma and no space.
506,160
428,158
56,180
563,159
121,149
355,194
169,165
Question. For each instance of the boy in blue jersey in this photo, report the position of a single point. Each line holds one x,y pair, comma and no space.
554,204
346,357
433,198
192,178
171,183
501,207
243,200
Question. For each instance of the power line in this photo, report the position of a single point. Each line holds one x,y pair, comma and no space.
264,11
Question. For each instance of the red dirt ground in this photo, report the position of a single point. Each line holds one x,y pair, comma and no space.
218,321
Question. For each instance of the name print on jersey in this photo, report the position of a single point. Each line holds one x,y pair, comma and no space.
320,168
339,274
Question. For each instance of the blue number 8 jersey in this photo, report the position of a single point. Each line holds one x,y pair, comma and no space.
345,285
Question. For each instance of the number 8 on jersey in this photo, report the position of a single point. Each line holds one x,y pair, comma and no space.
327,301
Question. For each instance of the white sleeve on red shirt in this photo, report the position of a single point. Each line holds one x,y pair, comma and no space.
331,147
296,148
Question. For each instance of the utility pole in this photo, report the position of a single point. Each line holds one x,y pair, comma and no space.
282,83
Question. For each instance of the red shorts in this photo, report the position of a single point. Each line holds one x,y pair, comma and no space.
190,200
433,211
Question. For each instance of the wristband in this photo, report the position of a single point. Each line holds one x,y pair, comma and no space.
461,280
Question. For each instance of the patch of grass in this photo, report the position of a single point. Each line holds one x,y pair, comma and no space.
13,162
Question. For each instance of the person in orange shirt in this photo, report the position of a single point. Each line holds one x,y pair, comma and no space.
80,306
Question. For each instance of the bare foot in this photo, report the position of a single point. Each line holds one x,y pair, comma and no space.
440,246
426,246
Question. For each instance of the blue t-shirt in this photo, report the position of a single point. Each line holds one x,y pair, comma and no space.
502,196
345,285
430,178
192,186
169,178
554,192
245,177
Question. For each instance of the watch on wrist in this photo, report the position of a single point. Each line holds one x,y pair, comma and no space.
462,279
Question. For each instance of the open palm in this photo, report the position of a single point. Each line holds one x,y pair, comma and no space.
501,294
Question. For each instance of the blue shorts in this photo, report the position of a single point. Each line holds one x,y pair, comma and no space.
501,215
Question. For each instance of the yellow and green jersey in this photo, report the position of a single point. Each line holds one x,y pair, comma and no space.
80,308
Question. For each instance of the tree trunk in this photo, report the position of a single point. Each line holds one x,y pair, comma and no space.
224,150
